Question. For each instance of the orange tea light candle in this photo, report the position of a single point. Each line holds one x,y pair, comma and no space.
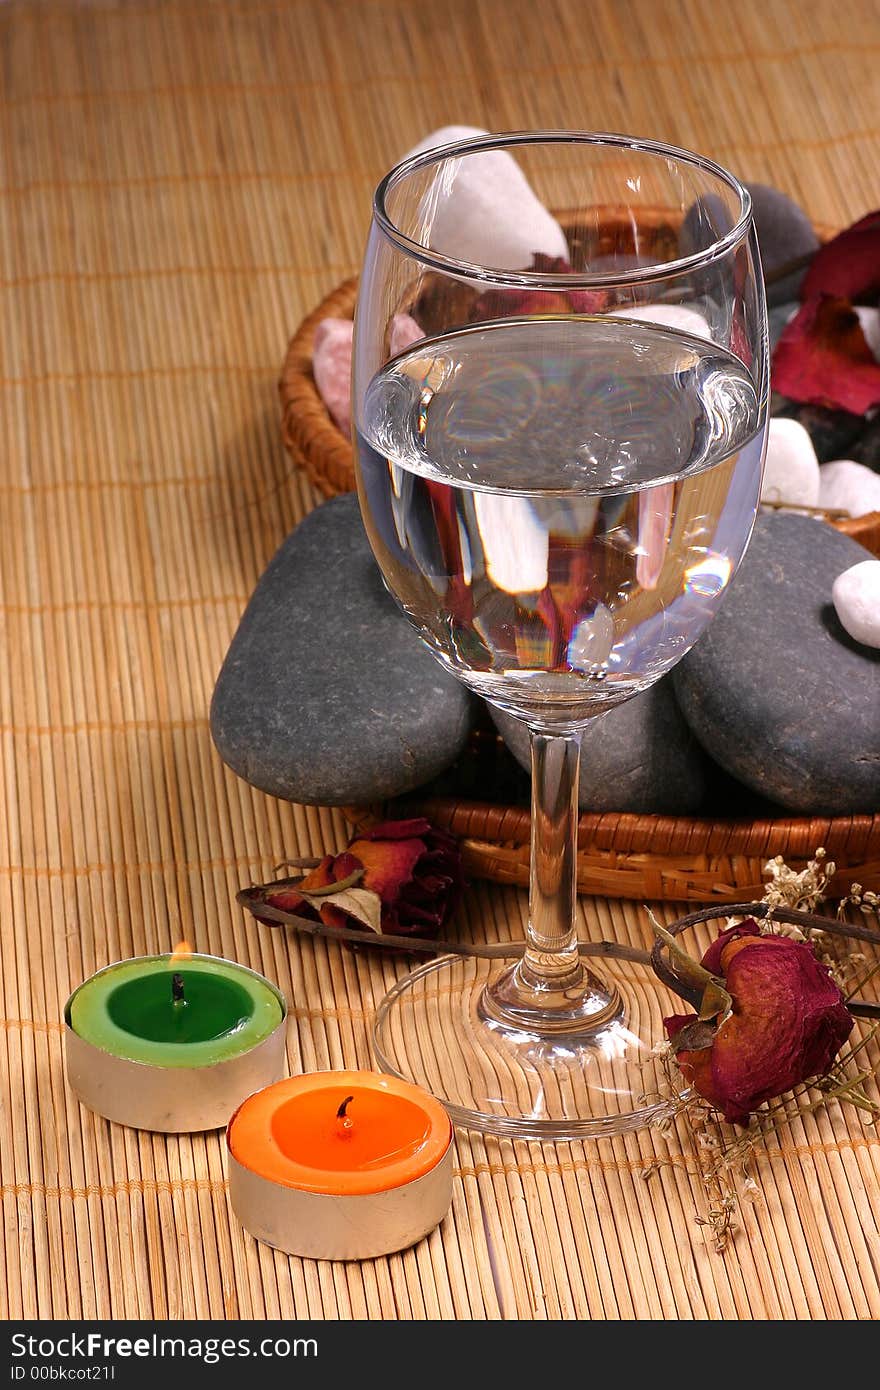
340,1165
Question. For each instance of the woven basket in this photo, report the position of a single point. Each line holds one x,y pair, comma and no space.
679,858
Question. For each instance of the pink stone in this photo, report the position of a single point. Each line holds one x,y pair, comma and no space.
404,331
331,368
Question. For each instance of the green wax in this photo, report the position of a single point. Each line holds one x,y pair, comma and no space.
130,1011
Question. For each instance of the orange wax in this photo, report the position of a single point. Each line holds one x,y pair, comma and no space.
389,1133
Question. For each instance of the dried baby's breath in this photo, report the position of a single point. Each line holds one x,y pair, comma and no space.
725,1155
804,888
865,899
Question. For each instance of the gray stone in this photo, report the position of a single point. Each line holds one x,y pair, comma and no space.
866,447
785,234
778,319
834,432
638,757
327,695
707,220
775,690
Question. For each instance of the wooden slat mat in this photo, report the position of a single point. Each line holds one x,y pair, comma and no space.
179,183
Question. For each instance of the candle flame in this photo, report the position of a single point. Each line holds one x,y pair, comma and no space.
180,955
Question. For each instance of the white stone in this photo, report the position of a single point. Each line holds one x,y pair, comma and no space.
445,135
869,319
677,316
592,640
516,543
481,208
847,486
791,471
856,598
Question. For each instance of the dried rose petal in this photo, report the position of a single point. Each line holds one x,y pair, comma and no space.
823,359
655,519
848,266
712,959
511,303
332,869
414,869
789,1021
581,301
403,331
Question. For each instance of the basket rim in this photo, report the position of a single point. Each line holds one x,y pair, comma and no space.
639,833
664,858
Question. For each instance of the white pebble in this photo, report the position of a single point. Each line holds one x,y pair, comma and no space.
481,208
791,472
847,486
445,135
856,597
515,541
669,316
869,319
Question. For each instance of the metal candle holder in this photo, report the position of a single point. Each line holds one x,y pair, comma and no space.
171,1100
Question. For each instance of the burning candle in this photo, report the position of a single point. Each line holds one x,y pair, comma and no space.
340,1165
174,1042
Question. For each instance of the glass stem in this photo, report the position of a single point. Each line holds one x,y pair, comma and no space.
550,990
550,962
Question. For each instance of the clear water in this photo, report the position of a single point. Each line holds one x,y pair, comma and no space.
559,504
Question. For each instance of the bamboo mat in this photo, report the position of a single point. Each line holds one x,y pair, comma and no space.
180,183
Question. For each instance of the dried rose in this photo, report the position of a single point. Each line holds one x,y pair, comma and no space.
786,1023
400,878
509,303
847,266
822,358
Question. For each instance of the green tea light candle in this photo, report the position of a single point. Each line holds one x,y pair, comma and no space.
173,1043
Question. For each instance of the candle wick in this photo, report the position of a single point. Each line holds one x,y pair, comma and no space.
177,994
344,1125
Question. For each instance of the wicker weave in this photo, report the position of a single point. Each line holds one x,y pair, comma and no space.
671,858
310,436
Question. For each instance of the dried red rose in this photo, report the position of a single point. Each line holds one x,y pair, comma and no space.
822,357
400,878
847,266
787,1023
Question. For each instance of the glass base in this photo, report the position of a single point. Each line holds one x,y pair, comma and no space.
434,1028
523,1003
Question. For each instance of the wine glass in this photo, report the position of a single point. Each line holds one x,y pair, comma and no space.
559,452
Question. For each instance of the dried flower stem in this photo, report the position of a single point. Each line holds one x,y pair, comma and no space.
808,922
724,1157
